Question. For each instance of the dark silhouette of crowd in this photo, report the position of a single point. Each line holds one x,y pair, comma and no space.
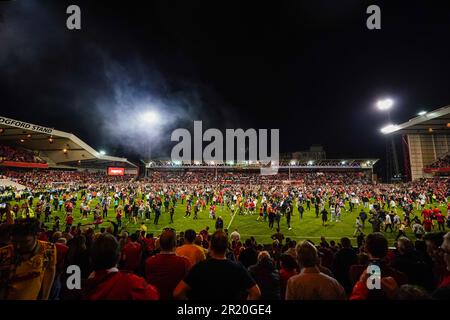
208,266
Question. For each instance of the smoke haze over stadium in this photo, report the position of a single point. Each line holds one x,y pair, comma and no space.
311,69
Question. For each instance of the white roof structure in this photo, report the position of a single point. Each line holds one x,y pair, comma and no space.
58,148
344,164
436,122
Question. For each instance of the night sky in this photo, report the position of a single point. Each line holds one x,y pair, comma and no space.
310,68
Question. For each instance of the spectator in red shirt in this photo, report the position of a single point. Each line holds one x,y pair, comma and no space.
427,224
166,269
433,242
436,211
377,249
107,282
69,220
149,243
440,221
43,235
426,213
131,254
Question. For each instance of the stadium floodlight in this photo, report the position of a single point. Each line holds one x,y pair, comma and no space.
385,104
342,162
211,163
102,152
150,117
422,113
389,129
310,163
177,163
293,163
196,162
230,163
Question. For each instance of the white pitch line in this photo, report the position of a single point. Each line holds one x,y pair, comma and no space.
231,221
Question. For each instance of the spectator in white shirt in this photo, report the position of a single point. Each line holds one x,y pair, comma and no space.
310,283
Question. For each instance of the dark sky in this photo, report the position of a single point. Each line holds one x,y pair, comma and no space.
310,68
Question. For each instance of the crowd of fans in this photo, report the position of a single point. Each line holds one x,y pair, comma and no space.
46,179
443,162
192,176
8,153
216,266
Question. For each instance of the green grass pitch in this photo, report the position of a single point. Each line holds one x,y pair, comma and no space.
309,227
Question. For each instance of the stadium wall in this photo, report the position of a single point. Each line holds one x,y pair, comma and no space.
423,150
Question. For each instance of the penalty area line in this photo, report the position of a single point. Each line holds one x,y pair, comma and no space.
231,221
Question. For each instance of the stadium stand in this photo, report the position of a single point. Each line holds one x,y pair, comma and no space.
441,163
74,213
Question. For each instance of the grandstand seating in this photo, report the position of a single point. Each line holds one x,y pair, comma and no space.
11,154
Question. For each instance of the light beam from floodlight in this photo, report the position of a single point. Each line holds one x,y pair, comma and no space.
150,117
102,152
422,113
385,104
389,128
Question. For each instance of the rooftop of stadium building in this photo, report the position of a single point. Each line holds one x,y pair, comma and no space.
54,148
436,122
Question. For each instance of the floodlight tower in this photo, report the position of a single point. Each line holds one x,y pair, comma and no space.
392,168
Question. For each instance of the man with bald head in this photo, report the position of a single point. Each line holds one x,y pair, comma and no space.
310,283
166,269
